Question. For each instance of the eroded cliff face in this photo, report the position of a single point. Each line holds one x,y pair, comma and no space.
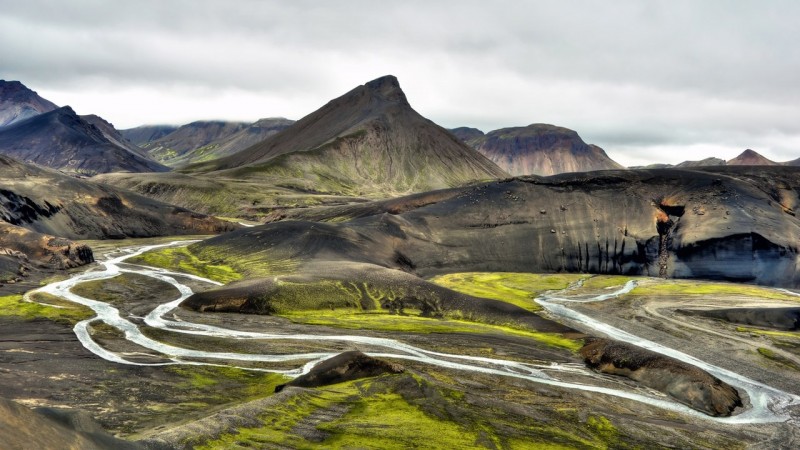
732,224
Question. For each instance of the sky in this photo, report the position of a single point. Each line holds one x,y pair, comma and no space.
649,81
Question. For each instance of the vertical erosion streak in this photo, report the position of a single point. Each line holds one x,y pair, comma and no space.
664,227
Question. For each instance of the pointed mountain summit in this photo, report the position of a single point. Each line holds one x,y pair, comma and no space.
62,140
17,103
367,141
751,158
541,149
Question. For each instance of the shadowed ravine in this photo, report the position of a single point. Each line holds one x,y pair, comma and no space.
767,404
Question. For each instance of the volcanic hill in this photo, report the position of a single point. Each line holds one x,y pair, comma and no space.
368,143
60,139
538,149
17,102
751,158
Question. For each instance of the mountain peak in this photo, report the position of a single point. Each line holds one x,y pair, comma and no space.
18,102
388,88
751,158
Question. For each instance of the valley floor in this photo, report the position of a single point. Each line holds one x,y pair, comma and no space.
180,378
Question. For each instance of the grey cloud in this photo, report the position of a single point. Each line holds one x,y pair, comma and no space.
625,74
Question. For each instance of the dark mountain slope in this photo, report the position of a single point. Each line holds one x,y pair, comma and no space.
17,102
735,224
62,140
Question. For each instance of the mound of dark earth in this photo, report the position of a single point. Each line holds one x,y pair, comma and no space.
362,287
687,384
538,149
52,203
51,429
62,140
725,223
787,319
346,366
17,103
23,249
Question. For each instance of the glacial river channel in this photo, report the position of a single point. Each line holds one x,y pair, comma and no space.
767,404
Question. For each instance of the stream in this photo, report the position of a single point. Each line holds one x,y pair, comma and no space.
767,404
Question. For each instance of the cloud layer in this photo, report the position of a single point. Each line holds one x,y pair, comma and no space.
652,81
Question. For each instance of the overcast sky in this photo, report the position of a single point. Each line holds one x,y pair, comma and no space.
649,81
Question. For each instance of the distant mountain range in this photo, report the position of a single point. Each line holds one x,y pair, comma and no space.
538,149
746,158
203,140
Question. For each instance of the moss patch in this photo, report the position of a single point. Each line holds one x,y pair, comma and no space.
62,311
182,259
691,287
516,288
413,323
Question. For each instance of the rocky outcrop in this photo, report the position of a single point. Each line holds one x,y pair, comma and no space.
685,383
40,250
49,429
346,366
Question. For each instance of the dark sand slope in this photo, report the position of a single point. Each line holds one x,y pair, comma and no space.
723,223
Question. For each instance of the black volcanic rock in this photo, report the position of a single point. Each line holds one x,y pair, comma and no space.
541,149
667,222
17,103
688,384
368,140
62,140
346,366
